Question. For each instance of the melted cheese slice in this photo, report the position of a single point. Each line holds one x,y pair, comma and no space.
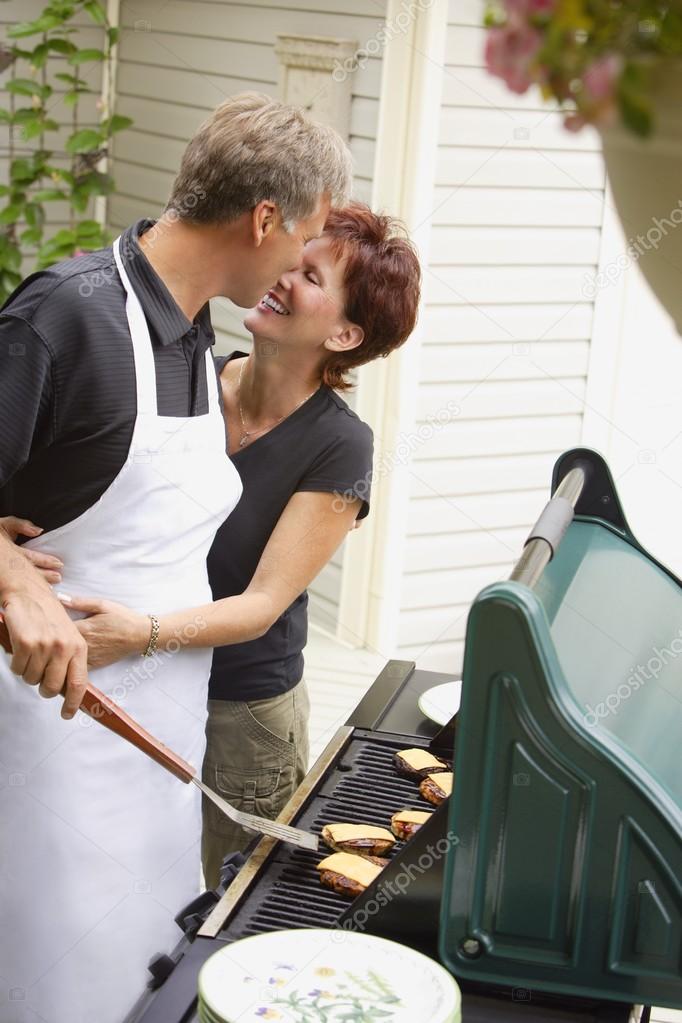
348,832
443,781
356,868
419,758
411,816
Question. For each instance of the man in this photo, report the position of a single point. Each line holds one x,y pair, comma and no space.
113,440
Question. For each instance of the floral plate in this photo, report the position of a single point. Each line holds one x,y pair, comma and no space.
324,976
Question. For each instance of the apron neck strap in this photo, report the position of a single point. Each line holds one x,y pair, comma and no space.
145,371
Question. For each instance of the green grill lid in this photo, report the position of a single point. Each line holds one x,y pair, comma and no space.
567,805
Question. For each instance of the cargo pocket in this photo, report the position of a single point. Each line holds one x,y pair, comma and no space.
249,791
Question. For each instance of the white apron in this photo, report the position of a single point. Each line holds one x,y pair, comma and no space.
99,847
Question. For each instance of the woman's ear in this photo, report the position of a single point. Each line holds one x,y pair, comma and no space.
347,338
263,220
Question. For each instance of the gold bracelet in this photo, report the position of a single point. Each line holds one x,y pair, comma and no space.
151,646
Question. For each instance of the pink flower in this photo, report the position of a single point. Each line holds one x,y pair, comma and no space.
516,8
522,9
574,121
509,52
540,7
601,77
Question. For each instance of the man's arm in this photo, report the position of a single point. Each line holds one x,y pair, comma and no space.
46,647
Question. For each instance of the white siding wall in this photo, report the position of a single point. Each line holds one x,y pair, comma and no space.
89,36
517,219
179,60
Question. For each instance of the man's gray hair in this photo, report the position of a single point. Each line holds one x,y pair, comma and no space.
254,148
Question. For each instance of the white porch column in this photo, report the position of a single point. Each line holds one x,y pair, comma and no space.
108,101
415,37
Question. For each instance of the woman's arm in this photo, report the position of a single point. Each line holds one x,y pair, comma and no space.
308,532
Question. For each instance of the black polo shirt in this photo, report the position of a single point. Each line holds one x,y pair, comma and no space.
67,378
322,446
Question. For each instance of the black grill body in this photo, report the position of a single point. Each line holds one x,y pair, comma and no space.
359,786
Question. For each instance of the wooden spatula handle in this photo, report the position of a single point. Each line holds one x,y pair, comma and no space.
109,714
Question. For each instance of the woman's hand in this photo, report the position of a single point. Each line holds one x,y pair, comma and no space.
49,566
112,631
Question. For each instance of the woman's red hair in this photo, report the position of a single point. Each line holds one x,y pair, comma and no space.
382,280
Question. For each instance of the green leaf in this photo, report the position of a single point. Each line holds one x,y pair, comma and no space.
8,282
28,87
79,199
88,228
116,123
96,12
63,237
21,170
24,114
636,116
5,116
30,28
94,183
84,141
11,213
113,35
39,55
11,255
56,256
34,215
40,125
61,46
85,56
634,100
73,80
4,190
65,8
31,236
48,195
92,244
18,53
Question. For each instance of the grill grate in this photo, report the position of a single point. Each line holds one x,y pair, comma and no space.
363,788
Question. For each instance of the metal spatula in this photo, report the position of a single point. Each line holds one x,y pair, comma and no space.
113,717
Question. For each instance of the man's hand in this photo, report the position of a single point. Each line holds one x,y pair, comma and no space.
47,648
48,565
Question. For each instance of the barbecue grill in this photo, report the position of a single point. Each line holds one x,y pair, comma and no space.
551,884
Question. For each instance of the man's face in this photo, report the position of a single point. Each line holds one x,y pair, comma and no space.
279,251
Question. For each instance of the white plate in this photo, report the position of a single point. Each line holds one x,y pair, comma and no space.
325,975
441,702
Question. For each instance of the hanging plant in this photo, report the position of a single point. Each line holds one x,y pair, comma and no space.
600,59
39,173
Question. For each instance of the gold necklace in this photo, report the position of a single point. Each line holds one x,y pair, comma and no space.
251,433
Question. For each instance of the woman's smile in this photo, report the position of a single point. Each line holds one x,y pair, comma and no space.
271,303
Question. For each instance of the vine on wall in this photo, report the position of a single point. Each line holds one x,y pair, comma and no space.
40,173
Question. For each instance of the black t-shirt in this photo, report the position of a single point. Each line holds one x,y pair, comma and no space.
322,446
67,378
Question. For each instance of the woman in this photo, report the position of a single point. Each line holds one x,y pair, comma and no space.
298,448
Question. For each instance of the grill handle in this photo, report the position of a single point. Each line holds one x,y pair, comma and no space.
544,538
113,717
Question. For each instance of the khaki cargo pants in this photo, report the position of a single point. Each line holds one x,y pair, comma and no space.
256,756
